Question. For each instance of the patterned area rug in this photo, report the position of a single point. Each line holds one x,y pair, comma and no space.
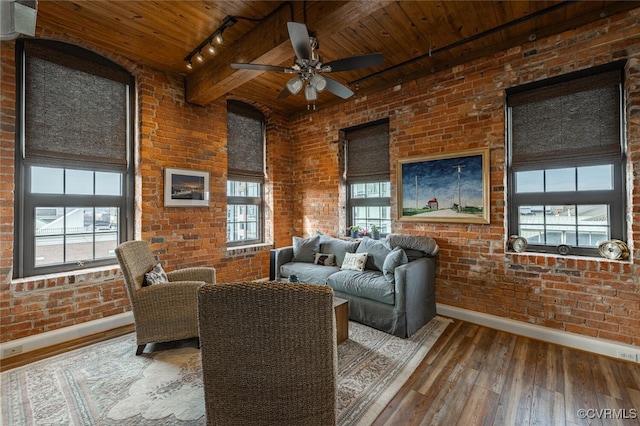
106,384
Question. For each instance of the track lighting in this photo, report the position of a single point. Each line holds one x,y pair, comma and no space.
207,43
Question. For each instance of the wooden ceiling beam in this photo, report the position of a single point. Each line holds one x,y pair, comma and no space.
268,43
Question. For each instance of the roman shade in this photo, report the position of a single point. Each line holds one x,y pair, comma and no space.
567,124
368,153
76,106
245,139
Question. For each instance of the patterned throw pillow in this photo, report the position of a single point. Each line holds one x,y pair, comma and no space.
325,259
354,261
155,276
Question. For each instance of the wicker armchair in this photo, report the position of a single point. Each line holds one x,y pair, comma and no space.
161,312
268,353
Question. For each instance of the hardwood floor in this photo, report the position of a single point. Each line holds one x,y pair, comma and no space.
479,376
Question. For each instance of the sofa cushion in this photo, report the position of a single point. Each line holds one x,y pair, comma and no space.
368,284
416,242
308,272
337,247
305,249
395,258
354,261
377,253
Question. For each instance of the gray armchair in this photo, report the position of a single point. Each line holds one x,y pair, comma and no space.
161,312
268,354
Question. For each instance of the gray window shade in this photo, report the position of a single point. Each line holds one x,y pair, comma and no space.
573,123
368,153
245,139
72,116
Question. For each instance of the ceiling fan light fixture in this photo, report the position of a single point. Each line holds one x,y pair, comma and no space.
310,93
294,85
319,82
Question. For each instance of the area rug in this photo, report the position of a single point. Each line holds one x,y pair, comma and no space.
106,384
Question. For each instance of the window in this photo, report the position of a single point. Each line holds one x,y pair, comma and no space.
566,170
74,179
245,126
368,184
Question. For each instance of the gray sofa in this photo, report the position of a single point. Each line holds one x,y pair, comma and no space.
394,293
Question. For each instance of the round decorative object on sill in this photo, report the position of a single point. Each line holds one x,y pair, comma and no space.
564,249
518,243
613,249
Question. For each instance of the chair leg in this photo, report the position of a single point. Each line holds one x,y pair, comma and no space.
140,349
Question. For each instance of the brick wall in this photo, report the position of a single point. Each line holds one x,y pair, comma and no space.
449,111
464,108
170,133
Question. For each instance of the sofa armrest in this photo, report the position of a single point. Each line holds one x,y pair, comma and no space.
415,287
279,257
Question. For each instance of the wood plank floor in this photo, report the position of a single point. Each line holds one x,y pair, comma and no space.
479,376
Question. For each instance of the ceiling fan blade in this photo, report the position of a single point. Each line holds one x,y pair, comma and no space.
285,93
300,40
338,89
259,67
355,62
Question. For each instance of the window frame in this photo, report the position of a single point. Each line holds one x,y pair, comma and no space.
233,175
353,202
614,198
247,200
25,203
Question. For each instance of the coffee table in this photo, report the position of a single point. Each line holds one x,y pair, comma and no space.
341,309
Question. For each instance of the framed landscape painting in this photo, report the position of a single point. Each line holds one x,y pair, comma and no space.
186,188
450,187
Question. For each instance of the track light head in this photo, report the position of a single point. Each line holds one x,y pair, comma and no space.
199,57
211,49
189,65
218,38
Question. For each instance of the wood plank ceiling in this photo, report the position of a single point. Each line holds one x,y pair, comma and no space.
415,37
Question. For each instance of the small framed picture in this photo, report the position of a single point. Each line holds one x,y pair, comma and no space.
186,188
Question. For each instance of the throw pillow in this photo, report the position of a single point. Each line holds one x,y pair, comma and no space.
324,259
354,261
337,247
155,276
305,249
395,258
377,253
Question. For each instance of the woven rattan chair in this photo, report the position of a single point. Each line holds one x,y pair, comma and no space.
268,353
161,312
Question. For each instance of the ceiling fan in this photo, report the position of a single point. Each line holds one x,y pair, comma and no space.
309,67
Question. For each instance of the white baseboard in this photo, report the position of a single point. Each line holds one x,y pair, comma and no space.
559,337
50,338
